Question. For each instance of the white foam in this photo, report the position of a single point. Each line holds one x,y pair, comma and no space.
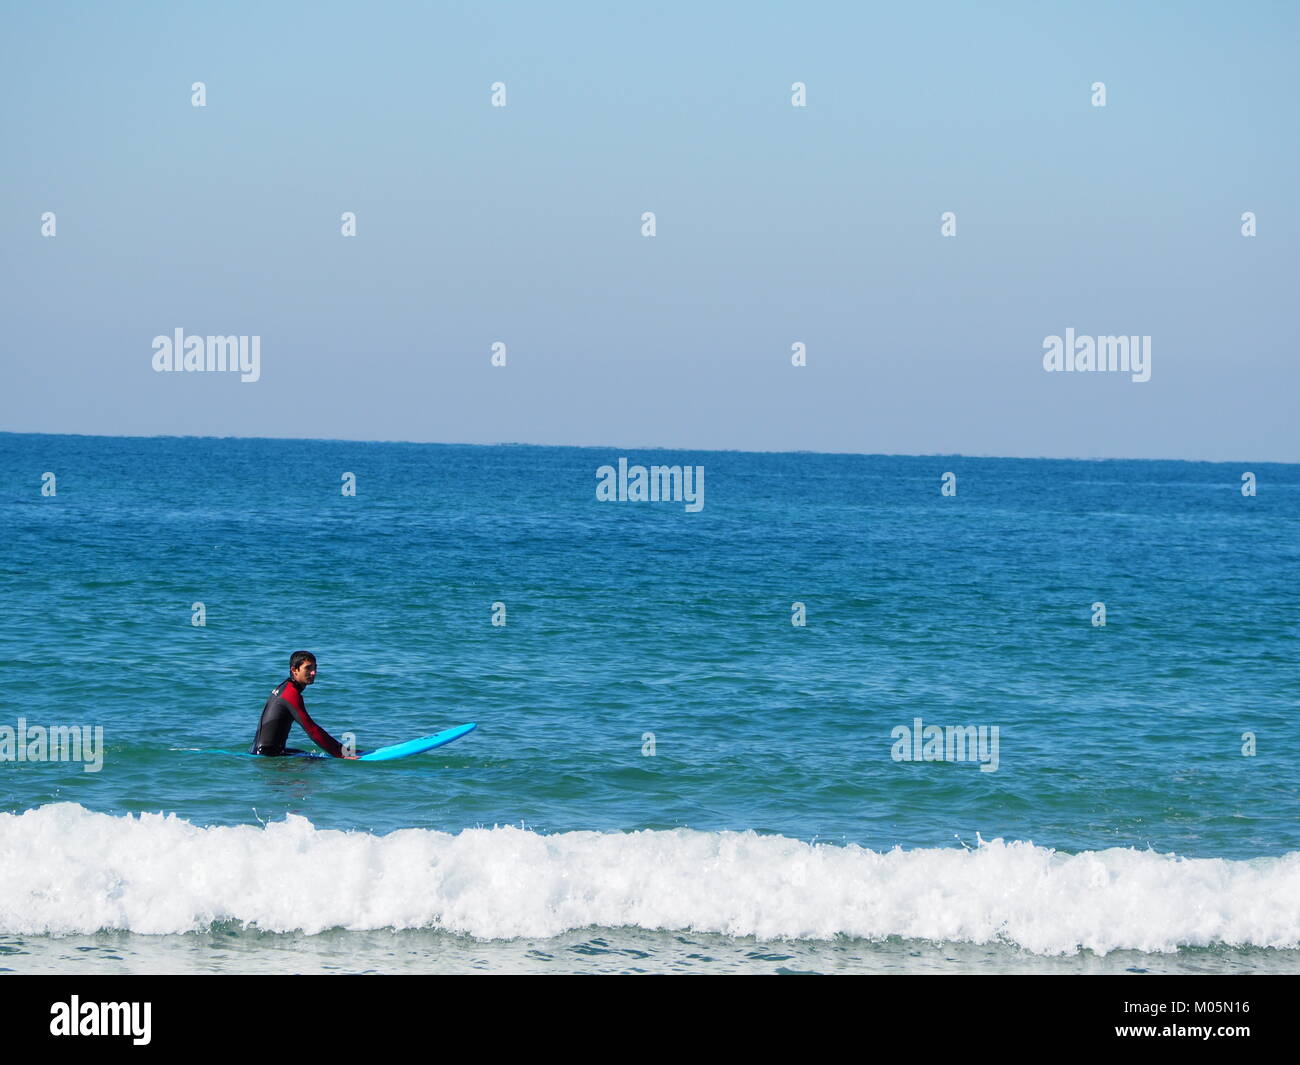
64,869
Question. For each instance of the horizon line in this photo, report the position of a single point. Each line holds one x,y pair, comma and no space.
655,447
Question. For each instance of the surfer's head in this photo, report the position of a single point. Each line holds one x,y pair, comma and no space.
302,667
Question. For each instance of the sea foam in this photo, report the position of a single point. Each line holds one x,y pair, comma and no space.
66,870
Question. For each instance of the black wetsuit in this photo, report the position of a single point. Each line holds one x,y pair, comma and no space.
282,709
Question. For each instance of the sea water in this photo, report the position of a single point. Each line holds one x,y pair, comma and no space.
700,742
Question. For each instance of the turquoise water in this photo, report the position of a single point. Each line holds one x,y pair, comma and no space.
771,820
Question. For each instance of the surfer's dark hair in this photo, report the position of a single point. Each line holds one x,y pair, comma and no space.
298,658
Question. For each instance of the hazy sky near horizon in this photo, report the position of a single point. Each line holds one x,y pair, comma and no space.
775,224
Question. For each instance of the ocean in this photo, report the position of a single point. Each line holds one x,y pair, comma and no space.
706,734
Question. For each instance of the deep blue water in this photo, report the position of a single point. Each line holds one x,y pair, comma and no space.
628,618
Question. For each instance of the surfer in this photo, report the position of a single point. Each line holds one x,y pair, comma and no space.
285,706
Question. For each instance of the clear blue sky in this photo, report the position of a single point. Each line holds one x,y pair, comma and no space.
775,224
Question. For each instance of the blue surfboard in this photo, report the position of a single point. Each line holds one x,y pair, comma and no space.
425,743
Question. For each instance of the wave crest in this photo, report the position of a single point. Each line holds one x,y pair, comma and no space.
67,870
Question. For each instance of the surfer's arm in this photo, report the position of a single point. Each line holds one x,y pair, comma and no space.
319,736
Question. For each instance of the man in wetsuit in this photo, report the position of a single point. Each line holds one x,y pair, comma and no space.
285,706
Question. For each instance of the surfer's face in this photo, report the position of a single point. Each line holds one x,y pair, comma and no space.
305,673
